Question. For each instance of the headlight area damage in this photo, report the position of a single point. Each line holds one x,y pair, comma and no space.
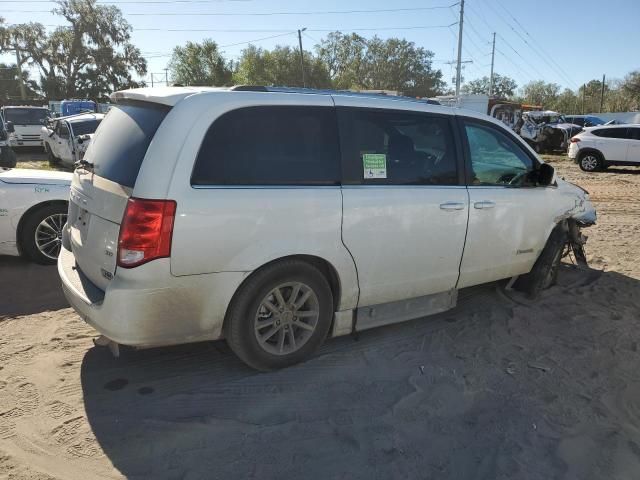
580,216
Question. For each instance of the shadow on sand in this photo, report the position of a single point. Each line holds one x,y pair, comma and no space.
496,388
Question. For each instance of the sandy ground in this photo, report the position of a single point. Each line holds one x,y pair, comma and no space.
497,389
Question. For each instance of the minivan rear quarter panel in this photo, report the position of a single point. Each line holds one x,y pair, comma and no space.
241,228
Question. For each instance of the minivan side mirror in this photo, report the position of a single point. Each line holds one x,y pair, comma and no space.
545,174
9,126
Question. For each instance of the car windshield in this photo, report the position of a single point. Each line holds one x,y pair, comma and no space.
595,121
85,126
25,116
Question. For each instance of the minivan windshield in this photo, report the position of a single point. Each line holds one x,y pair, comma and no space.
25,116
120,143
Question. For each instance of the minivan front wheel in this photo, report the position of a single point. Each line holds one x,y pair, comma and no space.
280,316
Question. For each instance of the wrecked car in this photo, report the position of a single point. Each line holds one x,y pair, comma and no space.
275,219
546,131
66,138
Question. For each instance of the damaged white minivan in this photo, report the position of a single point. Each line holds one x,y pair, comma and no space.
275,218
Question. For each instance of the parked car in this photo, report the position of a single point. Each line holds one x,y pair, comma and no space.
546,131
32,212
75,106
584,120
274,218
66,139
598,147
25,123
7,155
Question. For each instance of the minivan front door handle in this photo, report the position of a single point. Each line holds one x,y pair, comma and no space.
484,204
452,206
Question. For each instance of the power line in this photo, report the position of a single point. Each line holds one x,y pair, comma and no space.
540,47
263,14
544,57
341,29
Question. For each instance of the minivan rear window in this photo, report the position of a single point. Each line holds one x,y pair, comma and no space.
270,145
122,139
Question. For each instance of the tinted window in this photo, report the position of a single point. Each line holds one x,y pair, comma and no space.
63,130
397,148
496,159
270,146
634,133
611,132
25,116
121,142
85,127
576,120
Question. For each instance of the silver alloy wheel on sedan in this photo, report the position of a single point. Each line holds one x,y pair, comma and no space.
48,235
286,318
589,162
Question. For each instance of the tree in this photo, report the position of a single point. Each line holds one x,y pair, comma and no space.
10,86
280,66
393,64
631,87
503,87
200,64
91,57
540,93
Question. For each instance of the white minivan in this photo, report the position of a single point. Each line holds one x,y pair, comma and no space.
275,218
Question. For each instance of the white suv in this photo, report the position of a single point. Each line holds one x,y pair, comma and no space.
596,148
274,218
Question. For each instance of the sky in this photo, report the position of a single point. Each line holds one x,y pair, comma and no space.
568,43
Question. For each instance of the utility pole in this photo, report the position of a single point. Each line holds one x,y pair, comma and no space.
304,83
584,90
602,93
493,56
166,76
23,92
152,80
459,64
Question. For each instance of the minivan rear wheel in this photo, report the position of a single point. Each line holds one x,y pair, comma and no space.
280,316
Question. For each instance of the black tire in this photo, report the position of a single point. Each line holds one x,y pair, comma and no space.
57,215
590,162
8,158
544,273
241,333
53,160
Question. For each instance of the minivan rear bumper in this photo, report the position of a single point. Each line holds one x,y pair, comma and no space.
147,306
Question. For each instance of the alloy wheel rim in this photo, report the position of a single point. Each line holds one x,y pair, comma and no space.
48,235
589,162
286,318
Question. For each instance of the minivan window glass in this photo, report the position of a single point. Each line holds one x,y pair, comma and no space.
270,145
390,147
121,142
25,116
496,159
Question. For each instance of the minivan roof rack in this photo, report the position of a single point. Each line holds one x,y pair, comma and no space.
317,91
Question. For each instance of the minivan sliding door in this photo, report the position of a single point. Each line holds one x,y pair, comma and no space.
405,212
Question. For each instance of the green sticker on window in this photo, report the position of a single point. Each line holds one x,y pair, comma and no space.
375,165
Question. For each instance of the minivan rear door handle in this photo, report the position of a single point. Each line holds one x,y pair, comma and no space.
484,204
452,206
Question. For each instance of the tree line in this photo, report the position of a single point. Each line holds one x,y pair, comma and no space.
93,56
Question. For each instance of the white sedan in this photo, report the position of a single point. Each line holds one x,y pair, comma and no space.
33,210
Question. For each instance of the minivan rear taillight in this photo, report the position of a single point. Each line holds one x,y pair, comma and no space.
145,231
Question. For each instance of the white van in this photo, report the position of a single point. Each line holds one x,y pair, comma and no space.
274,218
25,124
